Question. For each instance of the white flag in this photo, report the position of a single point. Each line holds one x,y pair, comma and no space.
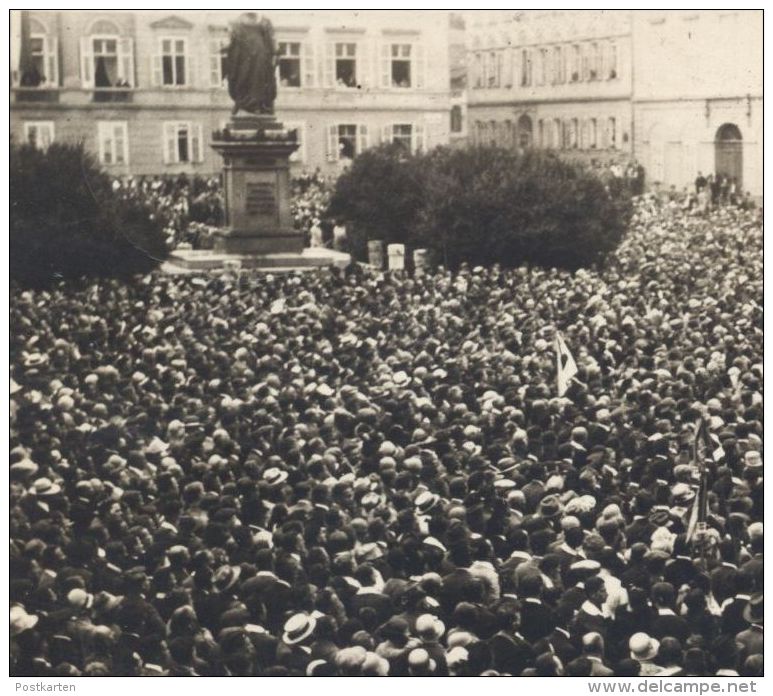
566,367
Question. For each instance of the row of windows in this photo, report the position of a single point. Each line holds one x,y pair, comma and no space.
107,61
183,141
559,134
546,65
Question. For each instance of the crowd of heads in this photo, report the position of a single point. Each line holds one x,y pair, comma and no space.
618,173
190,209
365,473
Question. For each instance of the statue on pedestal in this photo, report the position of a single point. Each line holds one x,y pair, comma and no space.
251,65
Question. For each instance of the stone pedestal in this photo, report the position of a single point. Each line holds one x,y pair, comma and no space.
256,151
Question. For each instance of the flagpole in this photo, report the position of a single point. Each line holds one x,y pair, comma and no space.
701,438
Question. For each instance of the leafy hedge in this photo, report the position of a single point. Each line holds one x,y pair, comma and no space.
379,197
482,205
67,221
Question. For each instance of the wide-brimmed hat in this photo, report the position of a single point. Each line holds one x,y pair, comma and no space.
44,486
274,476
298,628
21,621
426,501
374,666
642,646
754,611
24,469
35,360
419,658
80,599
430,627
226,576
682,493
550,506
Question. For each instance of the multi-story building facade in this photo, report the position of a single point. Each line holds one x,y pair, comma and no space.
144,91
698,95
679,91
551,79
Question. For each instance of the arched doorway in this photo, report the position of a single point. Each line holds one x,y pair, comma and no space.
728,153
525,132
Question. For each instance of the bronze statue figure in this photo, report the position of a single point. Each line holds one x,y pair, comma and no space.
251,65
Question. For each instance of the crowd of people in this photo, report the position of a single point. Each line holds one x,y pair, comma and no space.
191,208
616,173
365,473
709,192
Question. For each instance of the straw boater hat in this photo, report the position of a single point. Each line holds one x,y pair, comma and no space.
44,486
643,647
298,628
754,611
274,476
426,501
21,621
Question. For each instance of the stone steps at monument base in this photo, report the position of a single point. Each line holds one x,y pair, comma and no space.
204,260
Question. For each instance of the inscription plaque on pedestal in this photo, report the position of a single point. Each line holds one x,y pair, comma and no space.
260,198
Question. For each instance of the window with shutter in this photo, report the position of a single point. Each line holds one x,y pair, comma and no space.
420,64
386,65
39,134
332,143
51,48
87,62
402,135
113,143
300,133
346,64
175,62
364,67
217,58
362,138
419,143
289,63
126,61
197,141
42,68
309,67
329,69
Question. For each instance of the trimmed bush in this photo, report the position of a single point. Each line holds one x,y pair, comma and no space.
67,221
379,197
484,205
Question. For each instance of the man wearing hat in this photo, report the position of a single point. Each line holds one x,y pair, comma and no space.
592,617
293,651
752,638
644,649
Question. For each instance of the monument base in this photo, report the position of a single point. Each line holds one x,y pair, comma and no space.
191,260
236,242
256,171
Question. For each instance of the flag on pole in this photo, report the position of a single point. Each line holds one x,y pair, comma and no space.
566,367
703,444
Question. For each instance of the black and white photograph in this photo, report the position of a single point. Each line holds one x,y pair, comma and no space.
406,343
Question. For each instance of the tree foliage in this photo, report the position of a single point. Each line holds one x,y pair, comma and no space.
66,220
483,205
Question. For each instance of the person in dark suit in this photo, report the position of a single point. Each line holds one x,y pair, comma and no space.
591,618
593,650
641,528
510,652
570,550
560,638
667,623
733,608
537,620
369,596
